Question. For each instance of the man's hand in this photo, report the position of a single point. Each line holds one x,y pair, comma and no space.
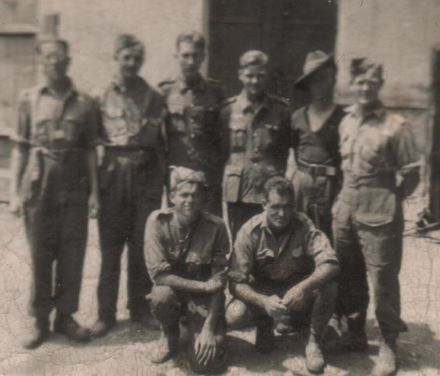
274,306
216,283
296,298
205,347
93,206
16,205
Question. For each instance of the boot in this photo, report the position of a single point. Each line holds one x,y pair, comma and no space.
355,339
314,358
39,333
66,325
168,344
102,327
264,339
387,362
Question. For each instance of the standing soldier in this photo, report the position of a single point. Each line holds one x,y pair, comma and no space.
379,163
53,177
256,138
131,181
193,103
186,252
316,141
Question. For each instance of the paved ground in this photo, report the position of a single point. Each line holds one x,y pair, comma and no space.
126,350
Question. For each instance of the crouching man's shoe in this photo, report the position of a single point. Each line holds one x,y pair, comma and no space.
39,334
66,325
387,362
102,327
167,348
314,358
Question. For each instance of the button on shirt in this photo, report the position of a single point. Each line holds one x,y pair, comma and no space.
256,140
258,255
194,133
57,131
192,256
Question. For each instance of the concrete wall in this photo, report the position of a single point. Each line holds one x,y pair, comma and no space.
91,27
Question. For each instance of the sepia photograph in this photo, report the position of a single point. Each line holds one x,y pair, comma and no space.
219,187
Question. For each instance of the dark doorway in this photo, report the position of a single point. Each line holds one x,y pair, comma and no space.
285,29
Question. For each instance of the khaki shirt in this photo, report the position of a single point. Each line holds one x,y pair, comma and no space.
256,142
293,256
375,149
57,132
205,246
193,130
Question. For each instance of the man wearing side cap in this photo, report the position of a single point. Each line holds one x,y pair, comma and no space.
380,169
256,140
132,174
185,251
315,140
54,185
193,103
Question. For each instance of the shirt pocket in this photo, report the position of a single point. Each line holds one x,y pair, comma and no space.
238,133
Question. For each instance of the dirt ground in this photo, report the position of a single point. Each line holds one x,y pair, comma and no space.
126,350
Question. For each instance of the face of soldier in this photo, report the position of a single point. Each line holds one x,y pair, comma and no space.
54,61
366,90
130,61
322,83
190,59
187,200
253,79
279,210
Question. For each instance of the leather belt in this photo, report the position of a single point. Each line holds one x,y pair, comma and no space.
317,169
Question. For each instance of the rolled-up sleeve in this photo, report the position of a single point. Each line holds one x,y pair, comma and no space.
22,131
319,249
243,257
155,256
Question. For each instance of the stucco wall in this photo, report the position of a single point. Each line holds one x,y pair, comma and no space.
91,27
398,33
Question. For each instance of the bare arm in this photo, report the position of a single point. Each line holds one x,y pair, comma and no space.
19,160
214,284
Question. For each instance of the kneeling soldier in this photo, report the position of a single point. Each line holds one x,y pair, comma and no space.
186,254
283,267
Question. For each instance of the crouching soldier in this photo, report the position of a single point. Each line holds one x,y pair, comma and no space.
284,268
186,254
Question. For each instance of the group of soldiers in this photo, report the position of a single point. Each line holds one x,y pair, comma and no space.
302,245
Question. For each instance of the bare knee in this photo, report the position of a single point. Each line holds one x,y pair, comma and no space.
162,298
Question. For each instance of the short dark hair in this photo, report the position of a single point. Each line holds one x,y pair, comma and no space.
280,185
363,65
193,37
62,42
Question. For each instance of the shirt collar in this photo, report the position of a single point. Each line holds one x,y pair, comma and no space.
377,111
139,83
245,105
198,84
44,89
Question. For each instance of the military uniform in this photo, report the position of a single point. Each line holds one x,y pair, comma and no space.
256,142
273,265
368,215
194,132
196,257
57,133
316,179
131,179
